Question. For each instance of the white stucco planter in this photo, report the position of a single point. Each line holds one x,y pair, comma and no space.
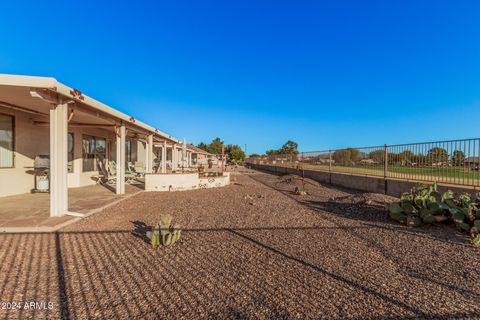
184,181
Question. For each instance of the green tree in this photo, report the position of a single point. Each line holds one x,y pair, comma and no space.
436,155
347,156
271,152
290,147
234,153
458,157
255,155
377,156
406,155
203,146
215,147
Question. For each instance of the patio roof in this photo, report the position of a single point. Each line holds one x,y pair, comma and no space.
27,87
198,150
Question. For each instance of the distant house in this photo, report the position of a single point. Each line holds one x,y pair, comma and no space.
368,161
473,162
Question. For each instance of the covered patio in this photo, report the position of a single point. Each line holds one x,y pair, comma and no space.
32,211
90,152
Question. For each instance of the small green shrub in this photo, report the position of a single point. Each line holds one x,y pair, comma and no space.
425,205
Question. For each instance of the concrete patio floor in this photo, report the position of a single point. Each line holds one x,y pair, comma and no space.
33,210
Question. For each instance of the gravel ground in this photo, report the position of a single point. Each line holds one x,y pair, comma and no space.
254,250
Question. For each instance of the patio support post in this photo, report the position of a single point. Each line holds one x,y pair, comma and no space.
164,157
120,186
174,157
149,154
58,160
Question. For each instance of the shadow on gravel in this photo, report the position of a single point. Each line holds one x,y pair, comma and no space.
104,274
375,214
369,215
140,230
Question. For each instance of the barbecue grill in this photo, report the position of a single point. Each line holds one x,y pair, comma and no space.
41,165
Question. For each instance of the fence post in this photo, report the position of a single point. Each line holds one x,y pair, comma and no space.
303,167
385,169
330,165
385,166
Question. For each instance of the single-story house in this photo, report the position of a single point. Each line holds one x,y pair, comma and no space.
472,162
46,126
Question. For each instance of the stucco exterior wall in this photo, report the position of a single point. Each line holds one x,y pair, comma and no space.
32,140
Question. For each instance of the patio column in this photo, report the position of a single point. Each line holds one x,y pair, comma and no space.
174,157
58,160
149,154
164,157
120,185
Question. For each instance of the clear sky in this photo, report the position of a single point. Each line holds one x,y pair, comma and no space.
326,74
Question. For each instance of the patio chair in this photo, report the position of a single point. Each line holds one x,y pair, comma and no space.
139,168
106,176
112,168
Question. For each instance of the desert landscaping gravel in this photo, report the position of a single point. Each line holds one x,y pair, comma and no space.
252,250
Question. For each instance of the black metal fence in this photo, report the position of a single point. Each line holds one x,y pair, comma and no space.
450,162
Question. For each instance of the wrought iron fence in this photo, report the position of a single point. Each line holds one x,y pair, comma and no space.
450,162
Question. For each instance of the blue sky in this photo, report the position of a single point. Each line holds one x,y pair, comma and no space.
325,74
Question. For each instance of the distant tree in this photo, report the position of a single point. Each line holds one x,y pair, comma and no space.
407,155
234,153
419,159
347,156
215,147
341,157
393,158
436,155
377,156
458,157
271,152
203,146
355,154
255,155
290,147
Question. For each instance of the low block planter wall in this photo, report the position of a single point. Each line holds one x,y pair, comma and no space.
184,181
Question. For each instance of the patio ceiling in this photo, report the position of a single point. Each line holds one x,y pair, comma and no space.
32,95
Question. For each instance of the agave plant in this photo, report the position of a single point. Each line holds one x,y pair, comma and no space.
154,236
170,234
164,233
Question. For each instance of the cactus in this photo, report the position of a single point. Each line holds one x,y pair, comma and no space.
476,240
413,221
170,234
154,236
424,204
427,216
164,234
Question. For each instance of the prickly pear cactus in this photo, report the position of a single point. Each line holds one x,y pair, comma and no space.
424,204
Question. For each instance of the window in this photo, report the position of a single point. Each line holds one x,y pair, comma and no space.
94,151
128,152
6,141
71,148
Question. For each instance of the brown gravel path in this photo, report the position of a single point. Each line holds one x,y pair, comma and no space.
250,250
